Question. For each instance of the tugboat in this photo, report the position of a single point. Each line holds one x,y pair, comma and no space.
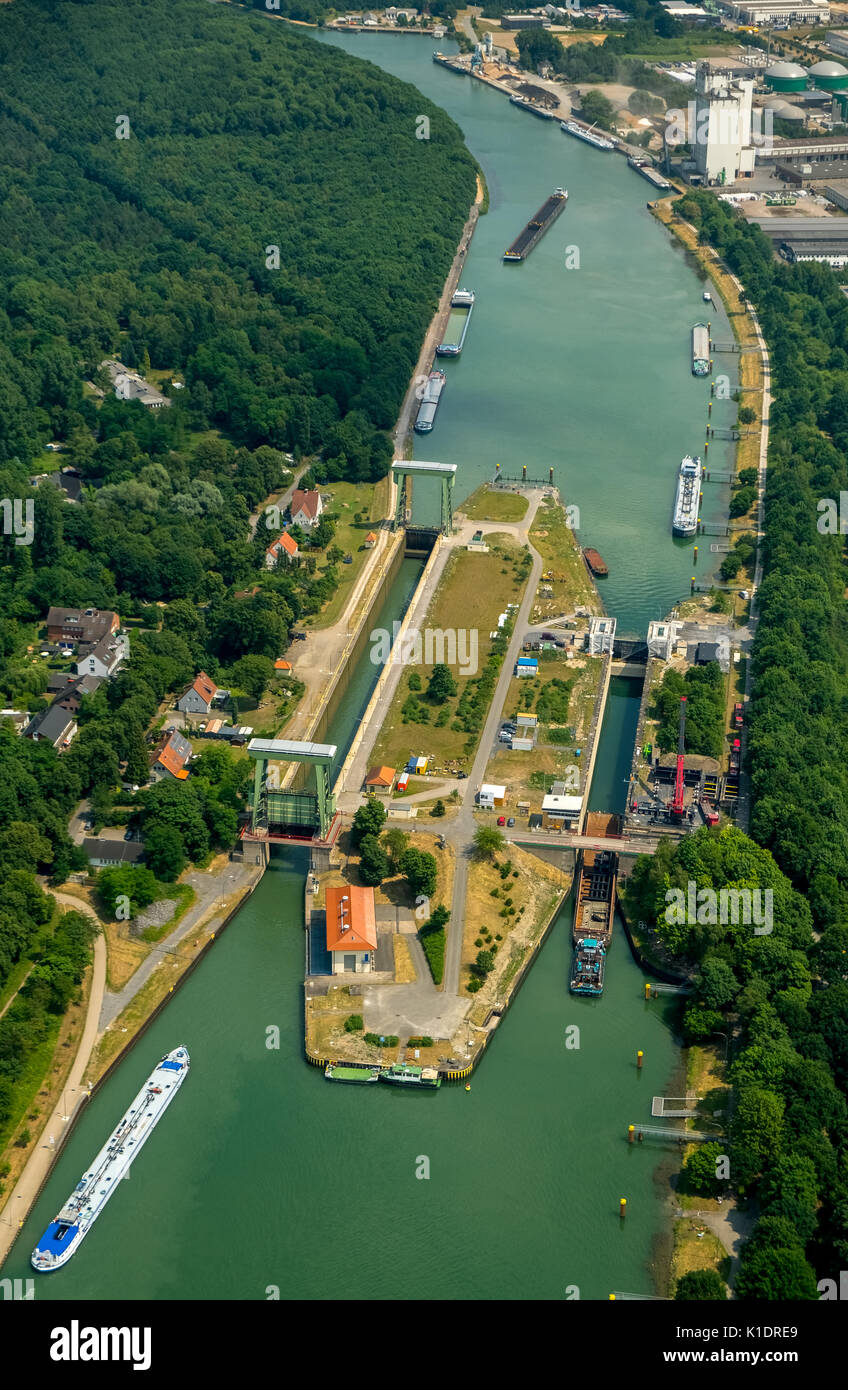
402,1074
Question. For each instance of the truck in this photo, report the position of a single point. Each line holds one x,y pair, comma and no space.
737,715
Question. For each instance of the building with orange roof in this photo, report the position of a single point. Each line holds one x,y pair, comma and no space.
381,779
285,546
197,698
351,929
282,665
370,541
171,759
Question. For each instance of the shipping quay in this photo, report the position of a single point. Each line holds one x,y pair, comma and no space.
537,226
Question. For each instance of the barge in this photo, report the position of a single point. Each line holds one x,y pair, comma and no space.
69,1228
537,226
599,141
687,499
355,1073
648,171
402,1074
700,350
588,965
533,106
462,305
595,562
594,911
426,417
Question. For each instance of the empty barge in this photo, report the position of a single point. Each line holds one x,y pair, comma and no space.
537,226
462,305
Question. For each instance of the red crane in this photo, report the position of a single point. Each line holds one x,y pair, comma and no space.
677,799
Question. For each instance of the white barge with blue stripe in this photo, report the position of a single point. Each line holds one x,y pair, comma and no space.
95,1187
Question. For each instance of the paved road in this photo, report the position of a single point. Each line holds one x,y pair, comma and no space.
210,889
282,501
37,1166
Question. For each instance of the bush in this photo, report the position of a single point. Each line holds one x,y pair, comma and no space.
376,1040
420,1042
354,1023
474,985
432,938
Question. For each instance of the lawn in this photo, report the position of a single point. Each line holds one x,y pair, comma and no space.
475,588
488,504
370,500
557,544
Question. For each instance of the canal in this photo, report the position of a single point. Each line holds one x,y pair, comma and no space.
263,1177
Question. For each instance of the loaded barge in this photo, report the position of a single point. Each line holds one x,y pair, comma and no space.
648,171
596,563
426,417
462,305
594,911
529,105
537,226
69,1228
687,500
700,350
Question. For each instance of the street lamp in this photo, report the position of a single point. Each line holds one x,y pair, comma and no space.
726,1044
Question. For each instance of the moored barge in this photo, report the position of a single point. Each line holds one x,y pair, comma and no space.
426,417
648,171
402,1074
355,1073
462,305
537,226
533,106
596,563
700,349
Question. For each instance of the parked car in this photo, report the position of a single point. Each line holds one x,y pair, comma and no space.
129,834
511,820
461,775
501,820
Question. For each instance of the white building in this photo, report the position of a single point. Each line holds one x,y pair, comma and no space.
722,134
781,13
601,636
662,639
107,657
491,796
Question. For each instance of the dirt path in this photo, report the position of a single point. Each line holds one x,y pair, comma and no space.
38,1165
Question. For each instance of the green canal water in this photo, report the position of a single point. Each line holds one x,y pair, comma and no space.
265,1176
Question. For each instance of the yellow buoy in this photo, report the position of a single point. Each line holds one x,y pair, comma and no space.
468,1085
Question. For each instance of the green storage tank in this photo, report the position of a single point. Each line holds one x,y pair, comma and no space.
786,77
829,77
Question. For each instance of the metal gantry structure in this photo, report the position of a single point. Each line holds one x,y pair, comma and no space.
272,806
405,470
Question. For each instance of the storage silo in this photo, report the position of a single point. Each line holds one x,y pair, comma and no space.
786,77
829,77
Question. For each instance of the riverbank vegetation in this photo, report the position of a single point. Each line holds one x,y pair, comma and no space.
762,980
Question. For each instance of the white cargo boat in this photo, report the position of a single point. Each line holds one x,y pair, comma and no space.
688,499
95,1187
599,141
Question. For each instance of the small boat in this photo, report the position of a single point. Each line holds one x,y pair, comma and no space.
708,299
402,1074
594,561
355,1072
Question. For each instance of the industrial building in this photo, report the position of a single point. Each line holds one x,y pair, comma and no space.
722,136
779,13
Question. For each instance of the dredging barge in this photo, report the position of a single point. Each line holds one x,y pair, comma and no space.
537,226
594,911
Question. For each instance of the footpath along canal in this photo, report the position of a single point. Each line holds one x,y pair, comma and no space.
264,1177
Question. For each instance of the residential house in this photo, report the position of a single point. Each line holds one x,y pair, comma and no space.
105,658
72,696
112,854
81,626
171,759
306,507
370,541
198,697
54,725
351,929
491,796
285,546
131,386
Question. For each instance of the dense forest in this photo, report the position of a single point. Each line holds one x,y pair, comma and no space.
242,135
783,997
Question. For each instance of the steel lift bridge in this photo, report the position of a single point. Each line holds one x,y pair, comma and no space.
294,814
405,470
